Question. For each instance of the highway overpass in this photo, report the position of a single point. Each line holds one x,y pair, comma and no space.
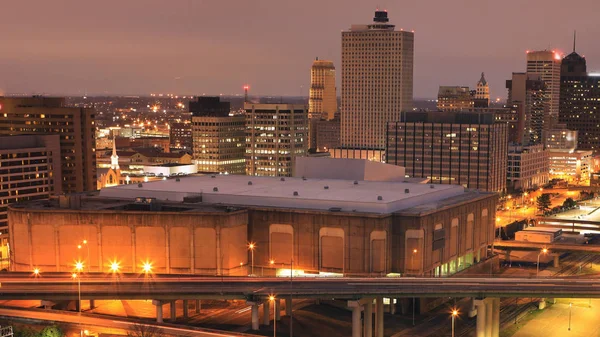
552,247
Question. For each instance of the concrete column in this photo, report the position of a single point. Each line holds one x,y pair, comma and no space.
542,304
481,318
159,310
379,317
496,317
288,306
489,314
356,326
277,310
92,304
472,308
556,261
173,311
507,255
254,315
368,321
47,304
186,305
198,304
266,310
392,306
478,256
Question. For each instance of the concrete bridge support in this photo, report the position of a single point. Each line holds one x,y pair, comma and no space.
159,310
186,305
92,304
277,310
266,307
379,317
488,317
198,306
254,311
288,306
173,311
368,319
356,323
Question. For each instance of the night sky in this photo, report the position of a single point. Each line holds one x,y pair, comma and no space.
216,46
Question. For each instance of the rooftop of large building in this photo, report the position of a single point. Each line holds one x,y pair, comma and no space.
301,193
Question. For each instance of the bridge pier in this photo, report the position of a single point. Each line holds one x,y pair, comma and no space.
266,310
159,310
356,323
254,311
488,317
92,304
288,306
198,306
379,317
556,260
277,310
173,311
368,320
186,305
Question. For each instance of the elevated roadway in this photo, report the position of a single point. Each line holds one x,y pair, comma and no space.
553,247
249,288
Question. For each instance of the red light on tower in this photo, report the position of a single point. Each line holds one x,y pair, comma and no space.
246,87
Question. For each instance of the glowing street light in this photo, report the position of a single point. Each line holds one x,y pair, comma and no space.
251,246
79,266
454,315
544,251
36,272
115,266
146,267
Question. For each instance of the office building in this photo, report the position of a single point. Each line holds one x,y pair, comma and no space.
275,135
482,93
327,134
30,169
527,95
574,166
528,167
323,225
462,148
39,115
580,101
180,136
546,64
561,138
218,137
454,98
377,84
322,103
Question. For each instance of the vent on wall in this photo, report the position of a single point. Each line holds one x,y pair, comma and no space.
379,197
140,185
295,193
215,189
249,183
406,190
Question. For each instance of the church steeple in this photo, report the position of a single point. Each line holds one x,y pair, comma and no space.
114,159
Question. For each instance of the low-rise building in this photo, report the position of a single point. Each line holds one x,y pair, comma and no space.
574,166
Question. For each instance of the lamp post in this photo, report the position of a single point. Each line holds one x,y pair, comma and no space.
85,243
570,307
544,251
272,299
272,263
454,314
251,246
412,266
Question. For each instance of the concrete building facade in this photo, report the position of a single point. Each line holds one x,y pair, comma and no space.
76,127
527,95
453,98
322,102
362,228
571,165
180,136
377,81
463,148
528,167
275,135
218,137
546,64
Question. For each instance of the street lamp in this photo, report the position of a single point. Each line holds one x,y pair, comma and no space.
272,299
570,307
36,272
251,246
115,266
85,243
454,314
146,267
544,251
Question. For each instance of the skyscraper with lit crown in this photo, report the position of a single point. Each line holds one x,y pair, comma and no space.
547,64
323,99
377,85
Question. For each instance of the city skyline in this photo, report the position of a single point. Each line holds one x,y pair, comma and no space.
191,47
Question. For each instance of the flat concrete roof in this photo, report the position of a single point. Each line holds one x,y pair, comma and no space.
311,193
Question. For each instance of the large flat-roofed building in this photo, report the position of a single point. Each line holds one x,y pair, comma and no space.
180,136
275,135
47,116
571,165
322,225
528,167
464,148
454,98
218,137
29,170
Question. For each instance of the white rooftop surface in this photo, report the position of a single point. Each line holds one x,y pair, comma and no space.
272,192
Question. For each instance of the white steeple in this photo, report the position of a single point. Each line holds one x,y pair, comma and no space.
114,159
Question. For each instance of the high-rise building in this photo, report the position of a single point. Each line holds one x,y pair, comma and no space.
327,134
30,169
527,94
546,64
39,115
561,138
275,135
482,93
463,148
377,82
180,136
453,98
322,103
580,101
527,167
218,137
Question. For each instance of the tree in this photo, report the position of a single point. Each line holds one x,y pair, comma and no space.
543,202
144,330
51,331
569,203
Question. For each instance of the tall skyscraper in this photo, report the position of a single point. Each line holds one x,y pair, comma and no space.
47,116
377,82
527,95
217,138
275,135
546,64
482,92
580,101
322,102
